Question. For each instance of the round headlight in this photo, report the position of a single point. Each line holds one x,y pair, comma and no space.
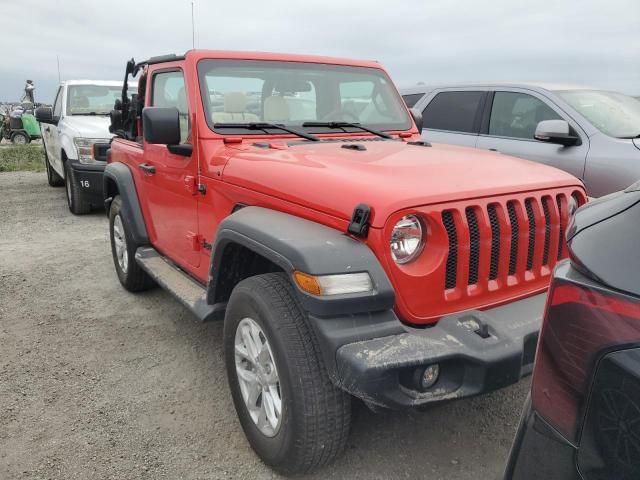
407,239
573,205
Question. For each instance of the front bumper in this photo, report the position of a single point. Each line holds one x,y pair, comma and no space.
383,367
89,177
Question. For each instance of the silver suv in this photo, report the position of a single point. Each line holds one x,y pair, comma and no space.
592,134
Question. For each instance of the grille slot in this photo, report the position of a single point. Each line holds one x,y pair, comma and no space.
559,202
474,252
452,258
515,230
532,232
495,242
547,230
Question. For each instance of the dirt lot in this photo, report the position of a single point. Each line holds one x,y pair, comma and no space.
99,383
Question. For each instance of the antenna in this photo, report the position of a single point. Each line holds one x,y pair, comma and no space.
58,61
193,28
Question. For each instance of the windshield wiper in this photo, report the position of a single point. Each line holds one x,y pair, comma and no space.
92,114
265,126
347,124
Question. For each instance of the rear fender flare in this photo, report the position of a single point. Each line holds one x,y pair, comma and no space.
119,180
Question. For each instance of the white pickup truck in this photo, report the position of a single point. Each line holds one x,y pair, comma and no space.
74,131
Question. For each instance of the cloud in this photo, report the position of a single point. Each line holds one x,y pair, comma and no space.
589,42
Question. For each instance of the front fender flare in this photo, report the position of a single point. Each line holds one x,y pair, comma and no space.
293,243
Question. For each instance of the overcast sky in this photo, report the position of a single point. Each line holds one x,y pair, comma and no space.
593,42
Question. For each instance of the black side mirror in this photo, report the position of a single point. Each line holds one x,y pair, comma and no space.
45,115
417,118
161,125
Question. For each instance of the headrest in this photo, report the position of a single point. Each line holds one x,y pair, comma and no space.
182,101
235,102
276,109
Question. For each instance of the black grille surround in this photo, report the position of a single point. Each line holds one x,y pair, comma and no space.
547,230
532,232
513,256
474,239
452,258
495,241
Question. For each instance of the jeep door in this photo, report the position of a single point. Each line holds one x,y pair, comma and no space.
51,136
510,122
169,179
453,116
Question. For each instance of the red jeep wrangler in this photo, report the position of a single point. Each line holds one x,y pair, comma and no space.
292,197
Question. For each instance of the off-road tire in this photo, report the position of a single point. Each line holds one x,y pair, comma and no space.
135,279
15,138
53,178
77,204
316,415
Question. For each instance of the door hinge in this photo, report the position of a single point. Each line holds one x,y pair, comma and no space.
198,242
206,245
202,188
190,184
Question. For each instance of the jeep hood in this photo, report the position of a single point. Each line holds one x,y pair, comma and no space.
89,126
388,176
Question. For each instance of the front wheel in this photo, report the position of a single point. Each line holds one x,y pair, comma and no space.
295,419
77,204
20,138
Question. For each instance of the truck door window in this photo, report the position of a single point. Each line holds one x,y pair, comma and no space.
57,104
169,91
454,111
517,115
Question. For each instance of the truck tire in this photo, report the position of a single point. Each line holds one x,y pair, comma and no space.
20,138
272,357
53,178
77,204
123,249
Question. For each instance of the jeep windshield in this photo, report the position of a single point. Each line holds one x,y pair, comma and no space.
305,96
91,99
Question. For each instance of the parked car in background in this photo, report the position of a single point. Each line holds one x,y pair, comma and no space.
592,134
582,419
270,218
75,133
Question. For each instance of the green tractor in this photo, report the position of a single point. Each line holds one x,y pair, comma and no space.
19,130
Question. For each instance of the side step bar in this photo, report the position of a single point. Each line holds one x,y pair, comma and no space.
188,291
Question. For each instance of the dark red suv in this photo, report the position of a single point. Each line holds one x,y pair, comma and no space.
582,420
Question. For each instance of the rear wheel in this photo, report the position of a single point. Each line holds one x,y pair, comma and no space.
20,138
53,178
123,249
293,416
77,204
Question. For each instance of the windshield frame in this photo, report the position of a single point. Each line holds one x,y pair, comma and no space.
68,108
203,66
563,94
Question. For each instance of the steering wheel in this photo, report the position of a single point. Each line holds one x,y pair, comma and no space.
340,114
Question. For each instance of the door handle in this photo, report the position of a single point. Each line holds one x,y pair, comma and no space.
493,149
148,169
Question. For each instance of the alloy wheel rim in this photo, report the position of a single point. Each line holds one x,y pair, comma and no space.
20,140
258,377
119,240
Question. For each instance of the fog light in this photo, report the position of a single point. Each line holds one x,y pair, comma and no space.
430,376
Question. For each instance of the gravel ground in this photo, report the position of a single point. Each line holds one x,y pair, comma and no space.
99,383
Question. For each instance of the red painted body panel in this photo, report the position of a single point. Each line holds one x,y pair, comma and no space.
323,182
